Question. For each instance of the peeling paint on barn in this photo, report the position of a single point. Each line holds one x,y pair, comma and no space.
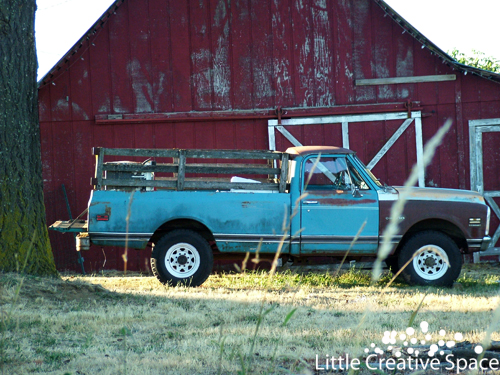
78,110
141,87
221,63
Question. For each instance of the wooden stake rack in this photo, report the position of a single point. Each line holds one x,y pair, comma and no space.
182,163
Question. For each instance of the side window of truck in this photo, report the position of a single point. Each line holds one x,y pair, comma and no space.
356,177
331,173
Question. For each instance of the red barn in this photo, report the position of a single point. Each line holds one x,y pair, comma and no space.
254,74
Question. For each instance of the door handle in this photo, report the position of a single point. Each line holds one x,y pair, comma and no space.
310,202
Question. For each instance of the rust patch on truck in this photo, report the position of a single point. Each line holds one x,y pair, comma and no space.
345,202
416,211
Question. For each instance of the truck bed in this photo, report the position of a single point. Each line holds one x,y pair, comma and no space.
178,169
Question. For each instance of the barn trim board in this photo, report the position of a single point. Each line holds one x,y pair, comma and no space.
476,130
345,120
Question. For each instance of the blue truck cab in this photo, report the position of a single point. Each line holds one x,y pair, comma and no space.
314,201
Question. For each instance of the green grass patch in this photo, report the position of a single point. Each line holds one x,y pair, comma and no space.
284,280
479,282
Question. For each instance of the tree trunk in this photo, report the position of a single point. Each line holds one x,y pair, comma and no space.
24,240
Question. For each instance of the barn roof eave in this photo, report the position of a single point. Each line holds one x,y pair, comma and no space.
426,43
79,44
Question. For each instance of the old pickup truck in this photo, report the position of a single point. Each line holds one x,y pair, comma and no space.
311,200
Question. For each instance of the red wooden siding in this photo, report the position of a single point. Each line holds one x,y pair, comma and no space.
164,56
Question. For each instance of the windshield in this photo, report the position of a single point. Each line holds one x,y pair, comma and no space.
369,173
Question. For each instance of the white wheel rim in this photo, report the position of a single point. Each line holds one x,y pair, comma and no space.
431,262
182,260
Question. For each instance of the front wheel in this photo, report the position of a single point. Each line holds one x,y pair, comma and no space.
182,257
434,259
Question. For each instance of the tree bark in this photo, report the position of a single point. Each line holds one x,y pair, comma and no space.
24,240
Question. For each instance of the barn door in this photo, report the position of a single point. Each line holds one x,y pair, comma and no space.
349,121
484,138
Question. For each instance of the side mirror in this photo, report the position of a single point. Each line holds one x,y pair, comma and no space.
355,191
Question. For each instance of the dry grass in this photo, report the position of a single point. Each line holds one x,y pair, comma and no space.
133,325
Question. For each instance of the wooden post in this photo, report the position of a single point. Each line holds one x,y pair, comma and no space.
181,174
284,172
99,158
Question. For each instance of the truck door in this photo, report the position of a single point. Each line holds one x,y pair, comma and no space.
332,213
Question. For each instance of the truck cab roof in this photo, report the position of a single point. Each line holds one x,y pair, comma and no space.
307,150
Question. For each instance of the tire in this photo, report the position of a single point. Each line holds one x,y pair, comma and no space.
182,257
392,263
436,260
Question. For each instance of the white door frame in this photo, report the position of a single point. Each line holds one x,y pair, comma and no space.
476,130
345,120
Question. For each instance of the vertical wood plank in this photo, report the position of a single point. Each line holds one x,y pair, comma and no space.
479,161
161,55
120,60
383,61
99,160
405,60
100,72
59,98
284,172
44,104
420,152
181,174
221,53
282,53
425,64
324,91
201,56
262,62
362,56
181,65
302,54
242,63
49,179
343,42
83,164
272,137
472,111
460,129
345,134
80,98
184,135
333,134
139,67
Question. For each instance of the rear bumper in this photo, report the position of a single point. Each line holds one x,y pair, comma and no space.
478,244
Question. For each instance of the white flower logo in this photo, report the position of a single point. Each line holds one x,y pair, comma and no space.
408,340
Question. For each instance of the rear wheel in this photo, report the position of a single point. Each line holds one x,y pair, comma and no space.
182,257
392,263
435,259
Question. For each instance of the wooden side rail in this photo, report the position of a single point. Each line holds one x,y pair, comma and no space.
133,171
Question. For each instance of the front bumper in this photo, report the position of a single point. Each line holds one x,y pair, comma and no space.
478,244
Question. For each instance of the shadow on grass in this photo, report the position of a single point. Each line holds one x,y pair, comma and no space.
133,324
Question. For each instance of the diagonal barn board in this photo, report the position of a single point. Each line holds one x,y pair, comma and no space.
345,120
476,130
